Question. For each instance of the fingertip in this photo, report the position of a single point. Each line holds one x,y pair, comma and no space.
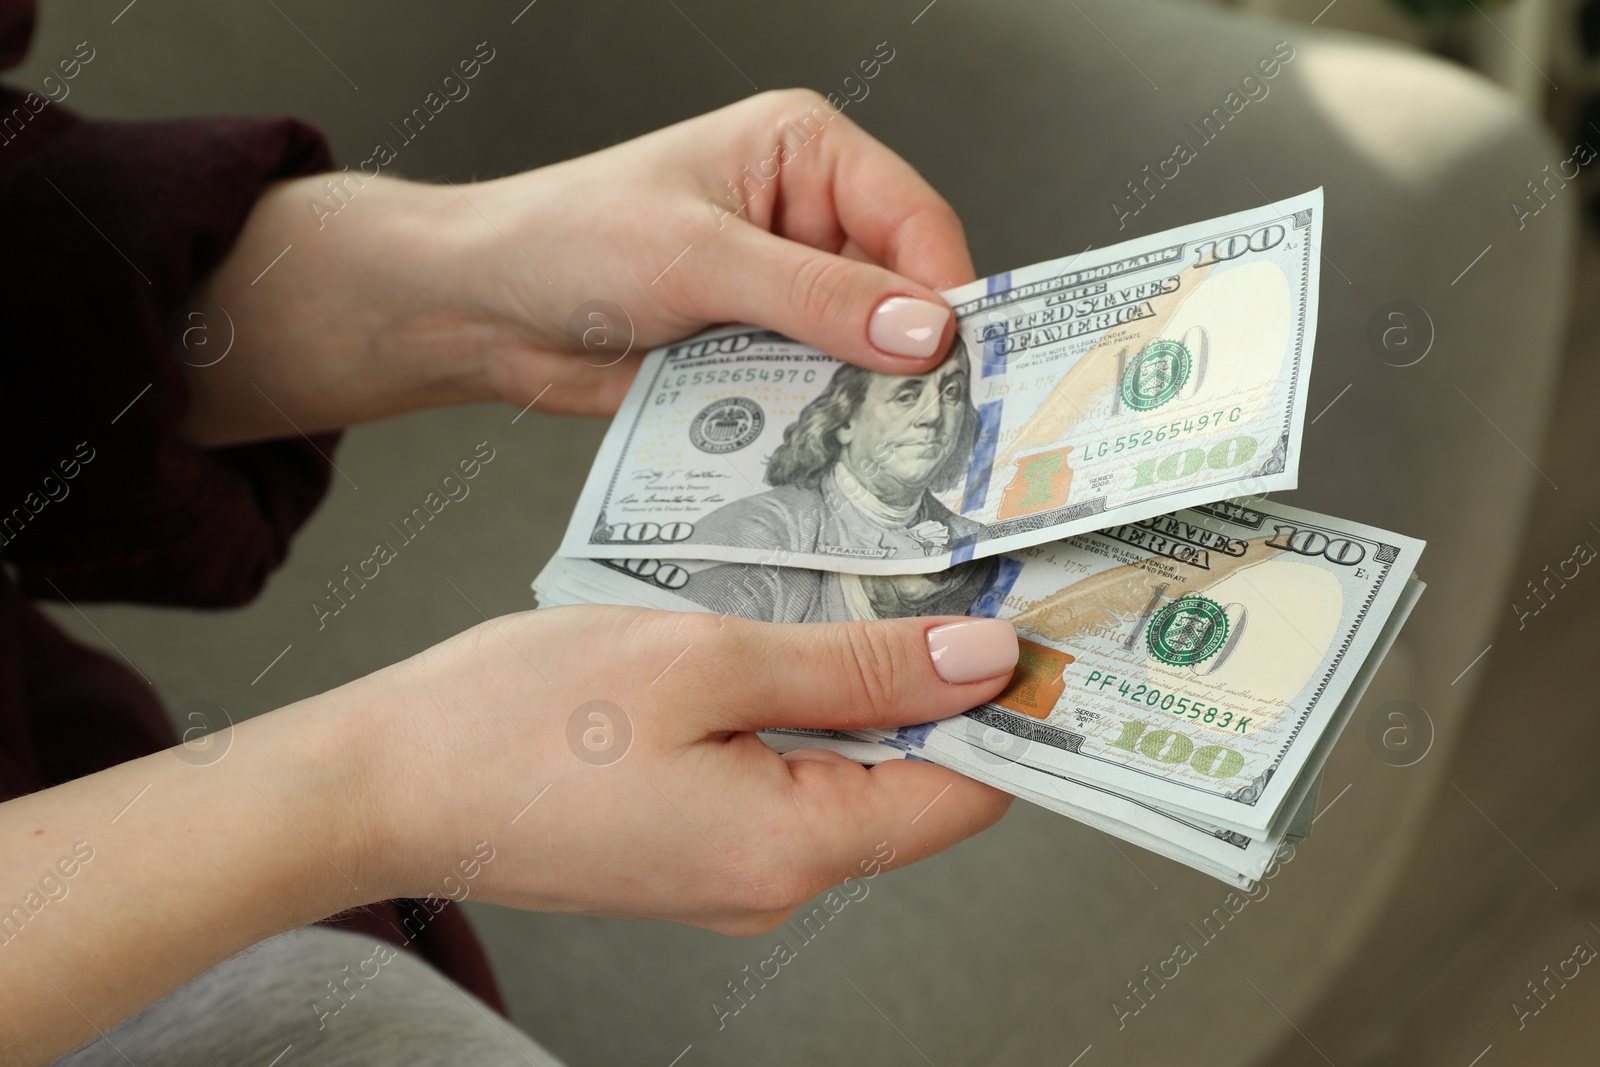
973,650
999,802
911,331
942,805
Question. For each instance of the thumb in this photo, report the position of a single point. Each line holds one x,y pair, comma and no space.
854,311
855,675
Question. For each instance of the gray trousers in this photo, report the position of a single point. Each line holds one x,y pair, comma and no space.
315,996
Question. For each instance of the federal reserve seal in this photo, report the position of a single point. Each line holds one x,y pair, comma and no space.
727,425
1156,374
1187,631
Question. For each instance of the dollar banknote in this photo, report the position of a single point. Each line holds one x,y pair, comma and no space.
1182,678
1201,680
1084,392
1228,855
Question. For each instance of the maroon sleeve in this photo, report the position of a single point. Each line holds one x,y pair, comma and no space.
16,29
105,230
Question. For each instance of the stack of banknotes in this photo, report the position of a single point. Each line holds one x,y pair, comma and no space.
1091,461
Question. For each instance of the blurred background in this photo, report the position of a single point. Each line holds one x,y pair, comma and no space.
1458,861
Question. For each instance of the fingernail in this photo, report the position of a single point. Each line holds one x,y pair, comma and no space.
972,649
906,326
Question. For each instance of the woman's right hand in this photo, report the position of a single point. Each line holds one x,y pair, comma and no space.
138,877
669,808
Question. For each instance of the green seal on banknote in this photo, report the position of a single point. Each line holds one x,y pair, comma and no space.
1187,631
1156,374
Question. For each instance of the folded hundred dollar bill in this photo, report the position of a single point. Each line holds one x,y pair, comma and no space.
1081,393
1182,678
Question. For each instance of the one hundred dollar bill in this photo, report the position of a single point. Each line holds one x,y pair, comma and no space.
1203,661
1179,836
1081,393
1228,682
1230,856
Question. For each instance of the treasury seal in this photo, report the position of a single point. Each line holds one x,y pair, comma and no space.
1156,374
727,425
1187,631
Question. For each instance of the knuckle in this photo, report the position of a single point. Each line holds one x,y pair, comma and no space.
876,665
774,107
792,100
479,643
799,96
821,288
698,628
944,215
487,642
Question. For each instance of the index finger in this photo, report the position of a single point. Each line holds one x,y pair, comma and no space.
847,180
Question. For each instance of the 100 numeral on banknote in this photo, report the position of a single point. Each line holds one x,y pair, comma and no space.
1080,393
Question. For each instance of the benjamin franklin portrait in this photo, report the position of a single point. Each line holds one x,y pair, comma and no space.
857,470
792,594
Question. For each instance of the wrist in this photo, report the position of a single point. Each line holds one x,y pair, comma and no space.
359,757
413,256
494,272
464,289
313,762
340,317
402,274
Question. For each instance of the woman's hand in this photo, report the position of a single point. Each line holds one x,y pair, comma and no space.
464,772
777,211
549,285
605,756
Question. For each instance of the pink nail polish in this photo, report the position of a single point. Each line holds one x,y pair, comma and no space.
972,649
906,326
